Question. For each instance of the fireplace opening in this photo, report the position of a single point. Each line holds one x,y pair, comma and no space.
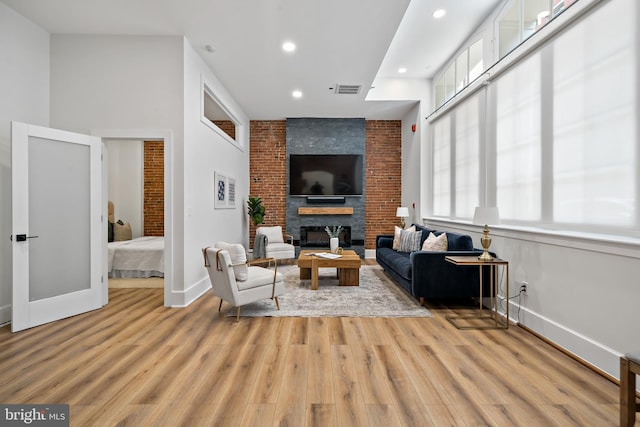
317,237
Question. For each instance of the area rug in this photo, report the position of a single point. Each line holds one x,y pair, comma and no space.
376,296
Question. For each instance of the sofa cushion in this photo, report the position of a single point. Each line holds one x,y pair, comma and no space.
457,242
400,262
435,243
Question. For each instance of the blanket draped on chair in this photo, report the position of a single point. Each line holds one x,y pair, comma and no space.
260,246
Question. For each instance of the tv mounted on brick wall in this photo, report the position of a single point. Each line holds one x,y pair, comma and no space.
325,174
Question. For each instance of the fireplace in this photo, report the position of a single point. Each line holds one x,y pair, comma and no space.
317,237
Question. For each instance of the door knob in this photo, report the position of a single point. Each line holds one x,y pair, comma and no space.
23,237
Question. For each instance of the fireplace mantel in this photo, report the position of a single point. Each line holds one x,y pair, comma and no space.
325,211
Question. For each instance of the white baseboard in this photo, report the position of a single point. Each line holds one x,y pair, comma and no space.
5,314
186,297
584,348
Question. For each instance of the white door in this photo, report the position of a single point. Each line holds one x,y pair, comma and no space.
57,224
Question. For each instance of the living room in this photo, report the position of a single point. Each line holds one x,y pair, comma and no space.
582,289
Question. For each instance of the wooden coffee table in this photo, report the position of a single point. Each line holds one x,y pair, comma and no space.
348,266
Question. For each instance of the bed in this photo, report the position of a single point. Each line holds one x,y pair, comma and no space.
139,257
142,257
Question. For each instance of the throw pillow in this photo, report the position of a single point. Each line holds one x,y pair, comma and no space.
435,244
396,236
409,241
121,231
238,256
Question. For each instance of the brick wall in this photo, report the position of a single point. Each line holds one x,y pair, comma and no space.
383,181
267,170
268,174
227,126
153,203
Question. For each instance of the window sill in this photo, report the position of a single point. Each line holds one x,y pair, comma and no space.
604,243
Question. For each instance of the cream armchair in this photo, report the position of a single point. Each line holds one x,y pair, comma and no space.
240,283
278,246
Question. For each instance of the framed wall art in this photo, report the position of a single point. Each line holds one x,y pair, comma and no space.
224,191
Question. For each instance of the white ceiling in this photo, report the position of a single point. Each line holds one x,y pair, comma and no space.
338,41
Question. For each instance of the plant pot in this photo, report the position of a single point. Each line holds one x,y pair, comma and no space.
334,242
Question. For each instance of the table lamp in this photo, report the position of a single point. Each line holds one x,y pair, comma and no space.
485,216
402,213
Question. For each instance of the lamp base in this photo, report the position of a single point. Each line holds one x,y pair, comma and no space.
486,256
485,240
402,223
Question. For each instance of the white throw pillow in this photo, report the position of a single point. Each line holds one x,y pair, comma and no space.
238,256
409,241
396,236
435,244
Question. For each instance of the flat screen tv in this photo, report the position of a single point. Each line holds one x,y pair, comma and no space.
325,174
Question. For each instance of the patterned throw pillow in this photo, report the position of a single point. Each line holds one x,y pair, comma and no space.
435,244
238,256
409,241
396,236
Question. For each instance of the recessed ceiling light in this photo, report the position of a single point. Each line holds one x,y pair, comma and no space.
439,13
402,70
288,46
296,94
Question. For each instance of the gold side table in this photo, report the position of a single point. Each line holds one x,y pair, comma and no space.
497,321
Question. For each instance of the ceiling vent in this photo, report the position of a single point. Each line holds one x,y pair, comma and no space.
348,89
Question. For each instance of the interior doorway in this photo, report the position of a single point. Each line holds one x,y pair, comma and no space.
135,183
131,189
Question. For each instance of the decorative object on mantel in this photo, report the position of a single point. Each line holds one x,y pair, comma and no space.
256,210
485,216
402,213
334,237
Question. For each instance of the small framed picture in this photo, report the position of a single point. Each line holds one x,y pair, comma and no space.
231,192
224,191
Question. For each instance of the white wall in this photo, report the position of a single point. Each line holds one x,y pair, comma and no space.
129,83
205,152
582,294
125,159
24,85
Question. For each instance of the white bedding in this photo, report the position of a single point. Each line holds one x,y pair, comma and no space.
140,257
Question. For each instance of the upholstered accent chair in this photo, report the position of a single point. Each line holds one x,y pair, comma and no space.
240,282
278,245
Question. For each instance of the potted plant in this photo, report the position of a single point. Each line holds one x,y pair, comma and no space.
334,237
256,210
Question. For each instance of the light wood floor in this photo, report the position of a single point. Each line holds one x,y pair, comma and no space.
136,363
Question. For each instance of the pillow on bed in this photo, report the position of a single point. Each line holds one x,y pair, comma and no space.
238,256
110,233
121,231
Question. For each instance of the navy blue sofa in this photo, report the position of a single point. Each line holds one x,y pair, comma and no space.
426,274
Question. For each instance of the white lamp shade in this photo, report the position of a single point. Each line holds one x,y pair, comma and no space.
486,216
402,212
